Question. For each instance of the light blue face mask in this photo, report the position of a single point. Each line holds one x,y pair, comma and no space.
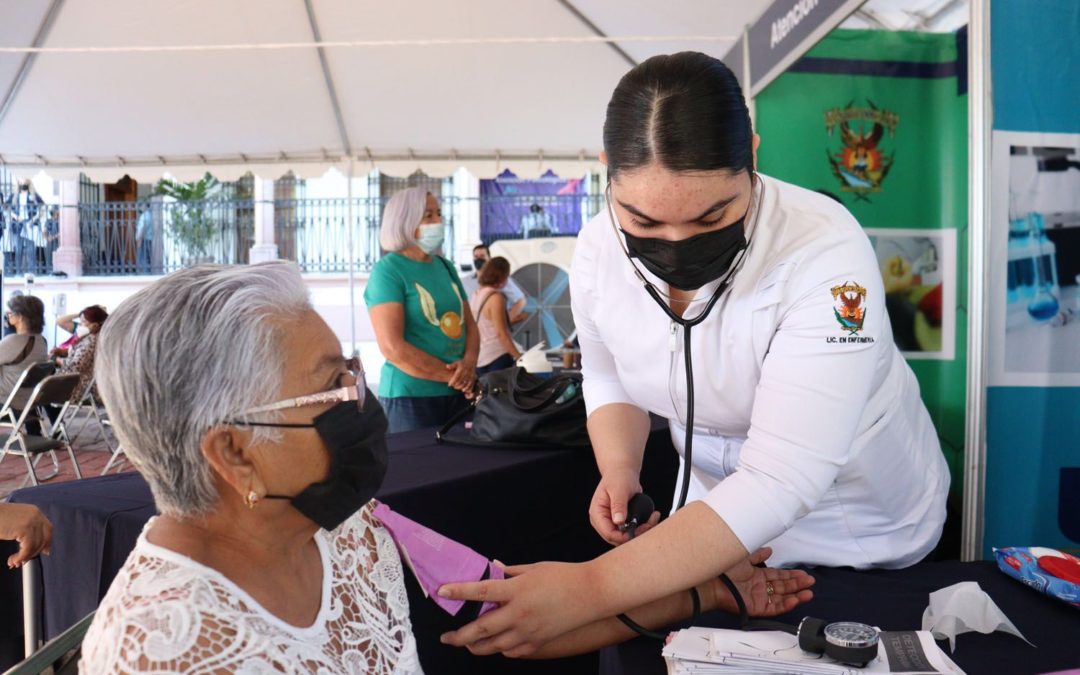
431,237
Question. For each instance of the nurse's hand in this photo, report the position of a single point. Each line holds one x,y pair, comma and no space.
608,508
538,603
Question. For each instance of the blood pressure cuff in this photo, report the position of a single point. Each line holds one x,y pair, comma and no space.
436,560
1053,572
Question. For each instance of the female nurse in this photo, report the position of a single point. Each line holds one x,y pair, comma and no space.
808,434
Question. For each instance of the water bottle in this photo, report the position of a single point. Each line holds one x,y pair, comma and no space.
568,393
1022,251
1044,303
1047,253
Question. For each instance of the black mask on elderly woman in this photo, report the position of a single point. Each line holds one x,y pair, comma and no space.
358,461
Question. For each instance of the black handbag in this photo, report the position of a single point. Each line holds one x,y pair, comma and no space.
518,409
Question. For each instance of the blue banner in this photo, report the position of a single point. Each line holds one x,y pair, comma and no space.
1033,431
520,208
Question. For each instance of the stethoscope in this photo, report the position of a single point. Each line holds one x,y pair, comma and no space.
688,324
846,641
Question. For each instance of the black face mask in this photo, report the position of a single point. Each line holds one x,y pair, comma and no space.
358,460
477,263
691,263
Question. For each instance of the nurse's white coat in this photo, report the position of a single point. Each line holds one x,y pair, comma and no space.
809,437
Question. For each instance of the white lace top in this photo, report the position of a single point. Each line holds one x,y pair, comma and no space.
166,613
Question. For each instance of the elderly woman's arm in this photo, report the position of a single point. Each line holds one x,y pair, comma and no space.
388,320
463,372
25,524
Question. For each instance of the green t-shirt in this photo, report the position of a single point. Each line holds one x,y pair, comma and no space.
434,301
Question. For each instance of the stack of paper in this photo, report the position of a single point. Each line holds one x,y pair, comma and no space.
703,651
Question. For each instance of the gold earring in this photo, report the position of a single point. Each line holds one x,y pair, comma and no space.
251,498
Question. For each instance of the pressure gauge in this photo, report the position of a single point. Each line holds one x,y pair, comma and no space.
852,642
845,641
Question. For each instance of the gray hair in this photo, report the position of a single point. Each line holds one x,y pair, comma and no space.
186,353
401,217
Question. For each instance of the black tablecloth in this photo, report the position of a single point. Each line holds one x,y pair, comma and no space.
514,505
895,600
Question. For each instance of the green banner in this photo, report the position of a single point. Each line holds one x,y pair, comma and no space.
875,119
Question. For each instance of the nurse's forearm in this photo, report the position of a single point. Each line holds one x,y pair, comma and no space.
618,432
689,548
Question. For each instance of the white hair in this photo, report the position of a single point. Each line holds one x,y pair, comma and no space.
189,352
401,217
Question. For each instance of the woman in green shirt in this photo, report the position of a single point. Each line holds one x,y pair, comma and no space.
421,317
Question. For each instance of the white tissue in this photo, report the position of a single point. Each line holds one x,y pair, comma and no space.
535,360
962,608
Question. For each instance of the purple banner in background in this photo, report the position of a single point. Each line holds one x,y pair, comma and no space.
519,208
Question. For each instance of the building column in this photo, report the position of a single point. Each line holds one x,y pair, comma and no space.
68,257
265,248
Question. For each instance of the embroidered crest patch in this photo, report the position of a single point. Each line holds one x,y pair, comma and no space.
849,307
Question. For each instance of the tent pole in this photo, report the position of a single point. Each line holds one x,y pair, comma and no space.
352,260
28,60
979,121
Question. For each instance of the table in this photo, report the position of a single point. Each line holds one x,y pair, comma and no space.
895,600
514,505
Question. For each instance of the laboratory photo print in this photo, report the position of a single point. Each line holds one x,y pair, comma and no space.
1039,229
918,268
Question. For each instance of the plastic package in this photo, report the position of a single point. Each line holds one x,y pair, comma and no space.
1048,570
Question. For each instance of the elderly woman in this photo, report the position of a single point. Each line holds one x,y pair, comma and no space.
262,454
262,457
421,316
26,346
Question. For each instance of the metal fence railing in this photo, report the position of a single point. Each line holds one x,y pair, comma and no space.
314,233
159,236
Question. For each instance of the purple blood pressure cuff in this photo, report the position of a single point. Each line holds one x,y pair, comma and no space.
435,560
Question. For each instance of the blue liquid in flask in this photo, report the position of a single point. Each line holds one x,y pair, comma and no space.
1044,307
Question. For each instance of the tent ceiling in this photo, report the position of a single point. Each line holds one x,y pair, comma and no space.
935,16
527,106
415,103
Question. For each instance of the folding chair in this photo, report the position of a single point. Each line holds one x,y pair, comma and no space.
94,409
53,390
20,393
118,458
60,655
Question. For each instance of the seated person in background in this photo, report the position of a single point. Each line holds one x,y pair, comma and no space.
515,297
536,223
497,349
23,347
263,455
69,323
80,358
25,524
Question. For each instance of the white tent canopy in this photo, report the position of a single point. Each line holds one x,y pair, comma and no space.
258,98
186,86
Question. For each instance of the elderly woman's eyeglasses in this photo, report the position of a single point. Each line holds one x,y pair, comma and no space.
354,392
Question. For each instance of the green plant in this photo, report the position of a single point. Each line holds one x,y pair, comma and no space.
191,222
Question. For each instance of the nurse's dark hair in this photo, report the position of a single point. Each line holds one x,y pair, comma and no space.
685,111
